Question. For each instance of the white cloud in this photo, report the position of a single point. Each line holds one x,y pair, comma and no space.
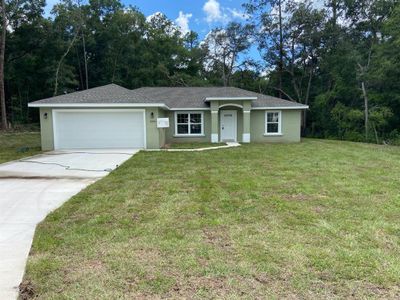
154,16
314,4
160,21
183,22
213,11
216,13
317,4
237,14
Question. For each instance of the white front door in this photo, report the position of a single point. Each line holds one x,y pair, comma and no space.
228,125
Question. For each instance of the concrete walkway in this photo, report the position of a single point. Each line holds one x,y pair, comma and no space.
32,188
228,145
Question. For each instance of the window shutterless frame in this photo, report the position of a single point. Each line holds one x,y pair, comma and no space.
189,123
279,132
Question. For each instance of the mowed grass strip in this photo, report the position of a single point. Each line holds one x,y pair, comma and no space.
319,219
17,145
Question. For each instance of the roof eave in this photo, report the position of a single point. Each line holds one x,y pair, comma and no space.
281,107
93,105
229,98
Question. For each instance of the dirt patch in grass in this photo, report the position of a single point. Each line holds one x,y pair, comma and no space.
26,290
217,237
192,286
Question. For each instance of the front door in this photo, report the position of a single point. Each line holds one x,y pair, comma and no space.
228,125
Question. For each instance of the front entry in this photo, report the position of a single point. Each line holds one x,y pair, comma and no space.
228,123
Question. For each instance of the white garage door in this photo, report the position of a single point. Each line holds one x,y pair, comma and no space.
98,128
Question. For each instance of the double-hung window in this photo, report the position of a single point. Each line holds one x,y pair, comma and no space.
273,121
189,123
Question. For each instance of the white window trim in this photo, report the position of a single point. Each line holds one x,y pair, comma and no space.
188,134
279,122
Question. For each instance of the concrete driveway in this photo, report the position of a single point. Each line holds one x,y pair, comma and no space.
30,189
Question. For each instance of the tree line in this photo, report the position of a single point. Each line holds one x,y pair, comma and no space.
341,58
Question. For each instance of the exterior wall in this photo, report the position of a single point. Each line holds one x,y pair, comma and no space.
290,127
170,132
155,138
46,129
152,132
162,131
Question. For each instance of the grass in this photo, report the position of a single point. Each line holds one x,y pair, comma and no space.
318,219
18,144
194,145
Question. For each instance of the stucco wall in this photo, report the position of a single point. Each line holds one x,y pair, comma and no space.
157,138
162,131
170,132
290,127
152,132
46,129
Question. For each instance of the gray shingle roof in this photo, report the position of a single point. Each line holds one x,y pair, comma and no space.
173,97
110,93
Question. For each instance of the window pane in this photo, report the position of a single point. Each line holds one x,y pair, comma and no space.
195,118
195,129
273,117
272,128
182,118
183,129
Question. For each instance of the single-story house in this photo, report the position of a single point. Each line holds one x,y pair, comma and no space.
111,116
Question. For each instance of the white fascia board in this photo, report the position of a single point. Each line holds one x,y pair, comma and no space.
230,98
189,109
280,107
102,105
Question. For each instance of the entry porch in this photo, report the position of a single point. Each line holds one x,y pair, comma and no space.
230,120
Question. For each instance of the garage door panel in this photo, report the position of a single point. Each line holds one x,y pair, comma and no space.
99,129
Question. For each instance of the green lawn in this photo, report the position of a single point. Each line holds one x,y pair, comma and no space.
17,145
318,219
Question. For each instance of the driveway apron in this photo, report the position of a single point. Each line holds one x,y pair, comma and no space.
32,188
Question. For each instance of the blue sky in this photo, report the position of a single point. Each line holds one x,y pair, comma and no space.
202,15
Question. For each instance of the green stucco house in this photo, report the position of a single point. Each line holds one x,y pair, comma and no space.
115,117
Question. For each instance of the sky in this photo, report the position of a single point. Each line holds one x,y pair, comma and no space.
197,15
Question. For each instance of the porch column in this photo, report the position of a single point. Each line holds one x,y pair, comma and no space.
246,121
214,122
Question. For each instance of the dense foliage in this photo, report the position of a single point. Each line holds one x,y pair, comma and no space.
342,59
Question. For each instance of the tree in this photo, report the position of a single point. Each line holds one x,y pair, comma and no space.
223,46
304,30
4,123
269,19
367,20
14,14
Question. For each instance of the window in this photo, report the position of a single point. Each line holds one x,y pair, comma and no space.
189,123
272,122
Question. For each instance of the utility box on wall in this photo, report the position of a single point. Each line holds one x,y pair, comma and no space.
162,122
